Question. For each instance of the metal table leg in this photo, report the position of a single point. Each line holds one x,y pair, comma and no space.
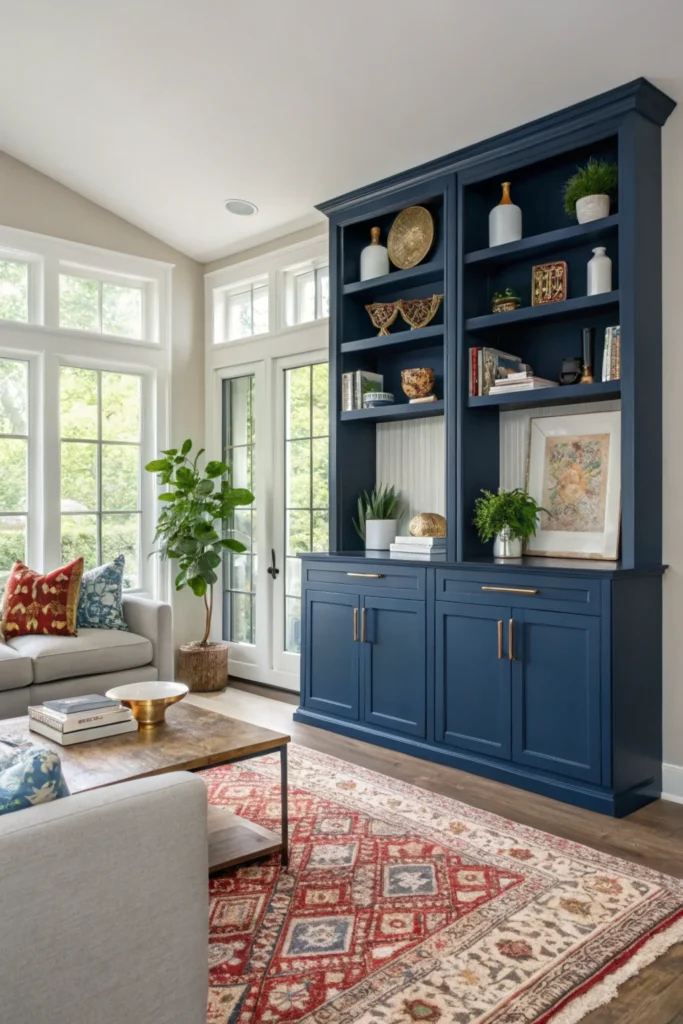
283,797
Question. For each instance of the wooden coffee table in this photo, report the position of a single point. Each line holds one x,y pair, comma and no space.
190,739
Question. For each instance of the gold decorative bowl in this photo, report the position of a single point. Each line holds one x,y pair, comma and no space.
382,315
417,383
419,312
148,701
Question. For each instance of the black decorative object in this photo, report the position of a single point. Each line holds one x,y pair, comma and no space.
587,336
572,369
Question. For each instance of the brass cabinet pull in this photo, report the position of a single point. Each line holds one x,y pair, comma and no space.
510,590
368,575
511,639
500,638
355,625
362,625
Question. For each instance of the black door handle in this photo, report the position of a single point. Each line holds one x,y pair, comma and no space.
273,569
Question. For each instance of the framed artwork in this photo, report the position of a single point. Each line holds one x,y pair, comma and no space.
548,283
574,472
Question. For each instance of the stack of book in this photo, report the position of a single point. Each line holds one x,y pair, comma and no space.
357,384
487,365
523,381
77,719
418,546
611,355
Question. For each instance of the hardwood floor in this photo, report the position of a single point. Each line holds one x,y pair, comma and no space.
652,836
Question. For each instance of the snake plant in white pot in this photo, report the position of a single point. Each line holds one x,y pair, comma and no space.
378,514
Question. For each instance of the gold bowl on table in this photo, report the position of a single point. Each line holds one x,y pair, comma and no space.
148,701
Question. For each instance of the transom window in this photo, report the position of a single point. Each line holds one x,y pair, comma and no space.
13,463
307,293
246,310
13,290
104,307
100,414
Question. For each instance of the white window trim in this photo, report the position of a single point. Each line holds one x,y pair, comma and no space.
47,347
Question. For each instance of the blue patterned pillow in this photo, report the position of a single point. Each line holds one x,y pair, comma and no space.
29,775
99,602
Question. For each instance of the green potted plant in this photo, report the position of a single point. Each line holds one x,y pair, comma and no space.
507,518
589,192
194,507
378,514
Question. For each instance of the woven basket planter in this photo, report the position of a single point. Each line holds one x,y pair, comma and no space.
203,668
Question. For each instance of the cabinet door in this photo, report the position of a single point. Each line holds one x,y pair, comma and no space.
556,693
472,693
394,655
331,660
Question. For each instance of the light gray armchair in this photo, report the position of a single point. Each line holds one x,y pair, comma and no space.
104,900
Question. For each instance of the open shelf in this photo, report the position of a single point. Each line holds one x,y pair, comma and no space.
400,411
420,338
552,310
549,240
423,273
600,391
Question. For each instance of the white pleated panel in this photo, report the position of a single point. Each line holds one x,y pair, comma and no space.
411,455
514,436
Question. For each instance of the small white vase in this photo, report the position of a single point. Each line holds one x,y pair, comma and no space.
505,220
380,534
599,272
374,259
592,208
505,546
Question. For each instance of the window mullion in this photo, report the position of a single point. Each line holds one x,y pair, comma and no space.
99,460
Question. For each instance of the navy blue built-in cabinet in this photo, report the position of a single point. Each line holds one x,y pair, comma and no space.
544,673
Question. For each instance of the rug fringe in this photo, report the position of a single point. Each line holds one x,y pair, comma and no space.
606,990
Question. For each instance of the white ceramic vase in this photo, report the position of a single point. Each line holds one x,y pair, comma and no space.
599,276
505,546
505,220
380,534
592,208
374,259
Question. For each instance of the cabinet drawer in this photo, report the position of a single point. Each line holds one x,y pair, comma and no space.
526,590
362,575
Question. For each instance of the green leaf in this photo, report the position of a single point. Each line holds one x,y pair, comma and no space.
188,545
167,496
197,585
170,452
232,545
209,560
157,465
204,487
184,477
237,496
209,576
180,580
186,446
205,532
215,468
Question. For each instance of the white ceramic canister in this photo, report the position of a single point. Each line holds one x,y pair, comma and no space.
505,220
374,259
599,277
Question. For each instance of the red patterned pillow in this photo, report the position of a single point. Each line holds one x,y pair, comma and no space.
41,602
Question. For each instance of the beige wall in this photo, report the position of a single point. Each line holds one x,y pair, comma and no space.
34,202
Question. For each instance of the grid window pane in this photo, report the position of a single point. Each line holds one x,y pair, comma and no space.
121,310
13,463
13,397
260,309
307,294
293,625
13,290
323,292
13,470
304,285
246,311
12,544
239,622
298,399
79,303
100,477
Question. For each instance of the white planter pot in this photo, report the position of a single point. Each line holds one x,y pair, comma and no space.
592,208
505,546
599,277
380,534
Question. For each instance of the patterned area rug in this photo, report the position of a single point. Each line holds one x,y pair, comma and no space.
401,906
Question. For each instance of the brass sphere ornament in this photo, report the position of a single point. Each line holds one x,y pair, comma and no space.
427,524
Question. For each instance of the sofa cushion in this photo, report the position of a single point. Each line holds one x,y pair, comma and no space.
16,670
99,602
92,652
41,602
29,775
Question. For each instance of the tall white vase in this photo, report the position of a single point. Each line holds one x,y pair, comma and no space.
599,278
505,220
374,259
380,534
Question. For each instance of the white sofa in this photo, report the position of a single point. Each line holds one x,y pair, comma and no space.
38,668
104,901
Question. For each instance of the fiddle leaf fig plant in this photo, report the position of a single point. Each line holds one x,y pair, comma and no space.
193,510
516,510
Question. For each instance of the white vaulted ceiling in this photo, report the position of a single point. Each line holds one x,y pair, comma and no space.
160,110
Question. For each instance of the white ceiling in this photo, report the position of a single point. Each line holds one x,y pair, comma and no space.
160,110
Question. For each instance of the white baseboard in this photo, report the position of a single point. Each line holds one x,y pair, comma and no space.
672,782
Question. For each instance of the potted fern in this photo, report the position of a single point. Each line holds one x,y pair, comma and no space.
506,518
589,192
378,514
194,506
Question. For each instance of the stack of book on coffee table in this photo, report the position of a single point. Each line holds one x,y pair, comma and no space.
77,719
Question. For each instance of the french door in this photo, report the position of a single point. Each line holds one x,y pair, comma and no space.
274,427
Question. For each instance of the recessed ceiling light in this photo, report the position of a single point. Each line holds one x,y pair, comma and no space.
241,207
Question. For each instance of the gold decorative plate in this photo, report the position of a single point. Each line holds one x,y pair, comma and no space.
411,237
